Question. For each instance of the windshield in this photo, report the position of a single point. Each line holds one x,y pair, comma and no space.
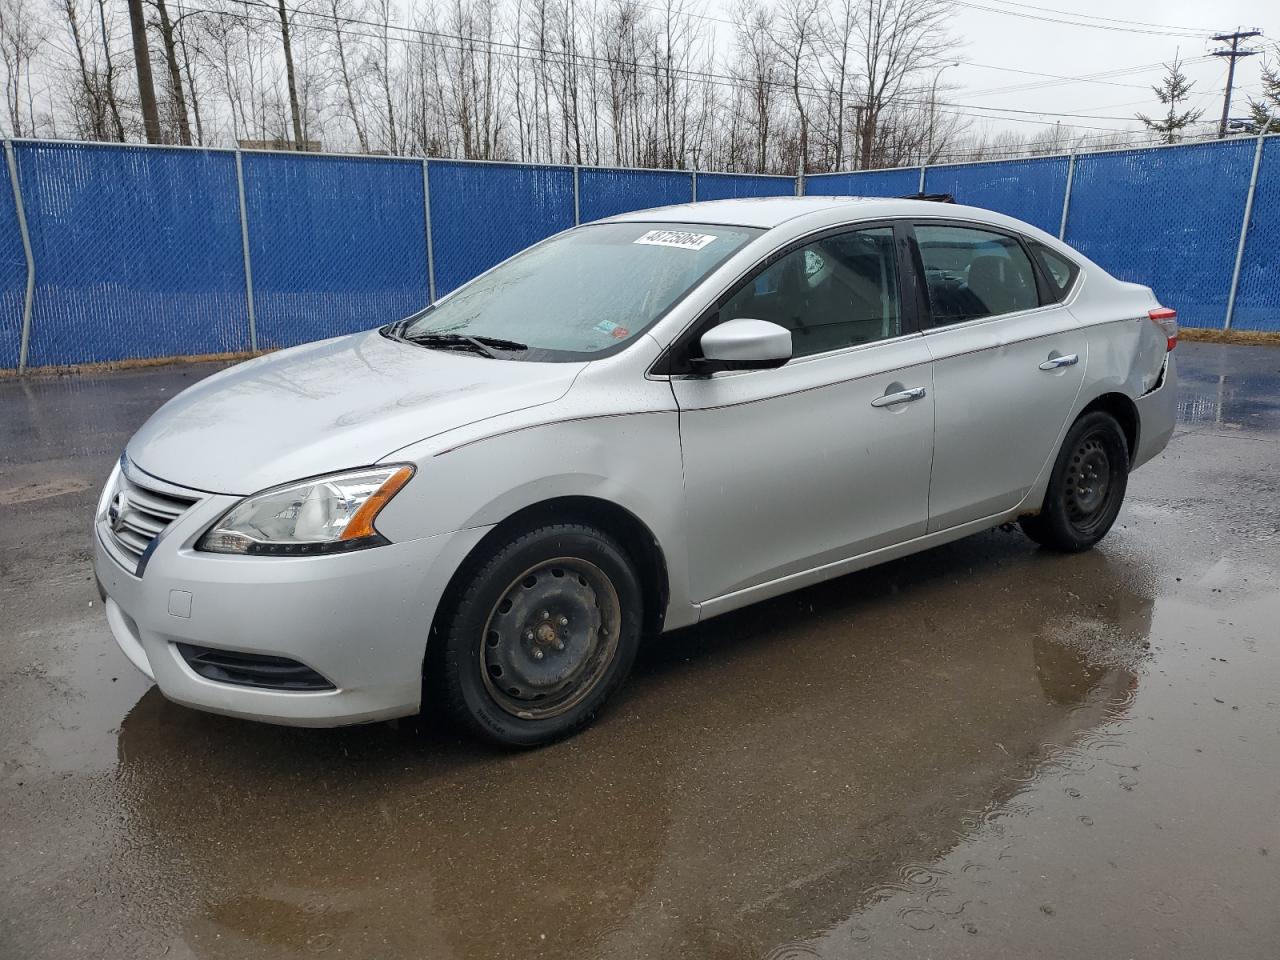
580,295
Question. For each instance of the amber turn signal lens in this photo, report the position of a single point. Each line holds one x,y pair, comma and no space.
361,524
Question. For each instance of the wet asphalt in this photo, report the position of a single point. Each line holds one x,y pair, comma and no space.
982,751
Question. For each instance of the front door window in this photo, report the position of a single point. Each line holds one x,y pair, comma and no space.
836,292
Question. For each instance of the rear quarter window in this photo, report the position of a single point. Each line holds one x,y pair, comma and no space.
1060,271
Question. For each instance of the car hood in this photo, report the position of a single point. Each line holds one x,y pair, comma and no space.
326,406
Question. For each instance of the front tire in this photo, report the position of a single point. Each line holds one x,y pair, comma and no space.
542,632
1086,488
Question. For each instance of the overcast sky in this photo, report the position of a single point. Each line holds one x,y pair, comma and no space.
1013,40
1026,44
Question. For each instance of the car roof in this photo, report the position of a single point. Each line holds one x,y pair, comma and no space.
768,212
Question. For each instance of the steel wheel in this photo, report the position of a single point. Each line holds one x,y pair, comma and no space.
550,638
1086,488
1088,483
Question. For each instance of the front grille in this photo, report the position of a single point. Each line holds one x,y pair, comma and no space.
139,511
252,669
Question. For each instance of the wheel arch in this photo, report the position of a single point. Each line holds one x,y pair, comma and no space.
631,533
1118,405
1124,410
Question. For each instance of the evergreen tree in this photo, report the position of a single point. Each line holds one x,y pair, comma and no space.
1267,106
1173,93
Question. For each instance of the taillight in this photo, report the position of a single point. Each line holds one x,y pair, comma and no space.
1166,318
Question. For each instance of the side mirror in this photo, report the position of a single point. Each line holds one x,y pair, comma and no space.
744,344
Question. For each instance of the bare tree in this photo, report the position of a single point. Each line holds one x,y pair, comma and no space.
90,103
109,80
286,44
142,64
189,51
351,68
21,37
897,41
838,27
177,98
796,42
383,72
759,71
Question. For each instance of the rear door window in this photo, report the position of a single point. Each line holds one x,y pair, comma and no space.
972,273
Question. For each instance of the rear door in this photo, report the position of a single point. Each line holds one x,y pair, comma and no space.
1009,361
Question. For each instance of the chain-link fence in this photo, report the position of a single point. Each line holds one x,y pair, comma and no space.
1199,223
1031,190
112,252
336,244
1169,218
482,213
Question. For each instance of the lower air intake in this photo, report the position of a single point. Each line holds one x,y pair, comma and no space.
252,669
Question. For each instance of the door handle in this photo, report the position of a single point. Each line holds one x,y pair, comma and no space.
902,396
1053,363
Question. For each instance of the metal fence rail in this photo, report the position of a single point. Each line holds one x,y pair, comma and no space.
111,252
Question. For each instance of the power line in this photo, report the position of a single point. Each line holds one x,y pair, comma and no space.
1004,11
1042,113
1056,76
1105,74
1118,20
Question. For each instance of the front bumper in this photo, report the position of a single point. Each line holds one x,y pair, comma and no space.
361,619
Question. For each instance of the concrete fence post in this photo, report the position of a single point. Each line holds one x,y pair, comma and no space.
693,175
248,260
426,219
28,299
1244,229
923,168
1066,196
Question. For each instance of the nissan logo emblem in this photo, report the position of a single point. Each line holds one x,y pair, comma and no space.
115,513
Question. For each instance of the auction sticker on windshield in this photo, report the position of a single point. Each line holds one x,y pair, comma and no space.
676,238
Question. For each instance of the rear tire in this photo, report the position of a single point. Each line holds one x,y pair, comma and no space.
542,632
1086,488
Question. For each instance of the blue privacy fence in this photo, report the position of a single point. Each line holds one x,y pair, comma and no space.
141,252
1199,223
111,252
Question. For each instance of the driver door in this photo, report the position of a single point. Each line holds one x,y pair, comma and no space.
828,456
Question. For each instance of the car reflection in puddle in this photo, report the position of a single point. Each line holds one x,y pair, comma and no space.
768,776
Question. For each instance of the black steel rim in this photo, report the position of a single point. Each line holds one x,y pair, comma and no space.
550,638
1089,486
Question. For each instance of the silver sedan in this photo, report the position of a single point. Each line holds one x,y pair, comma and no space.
627,428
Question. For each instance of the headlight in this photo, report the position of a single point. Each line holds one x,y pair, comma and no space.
322,515
109,490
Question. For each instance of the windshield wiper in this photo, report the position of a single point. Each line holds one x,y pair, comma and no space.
458,341
498,343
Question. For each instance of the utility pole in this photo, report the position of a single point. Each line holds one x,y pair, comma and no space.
142,58
1234,54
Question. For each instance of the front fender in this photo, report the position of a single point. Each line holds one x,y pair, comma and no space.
631,460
